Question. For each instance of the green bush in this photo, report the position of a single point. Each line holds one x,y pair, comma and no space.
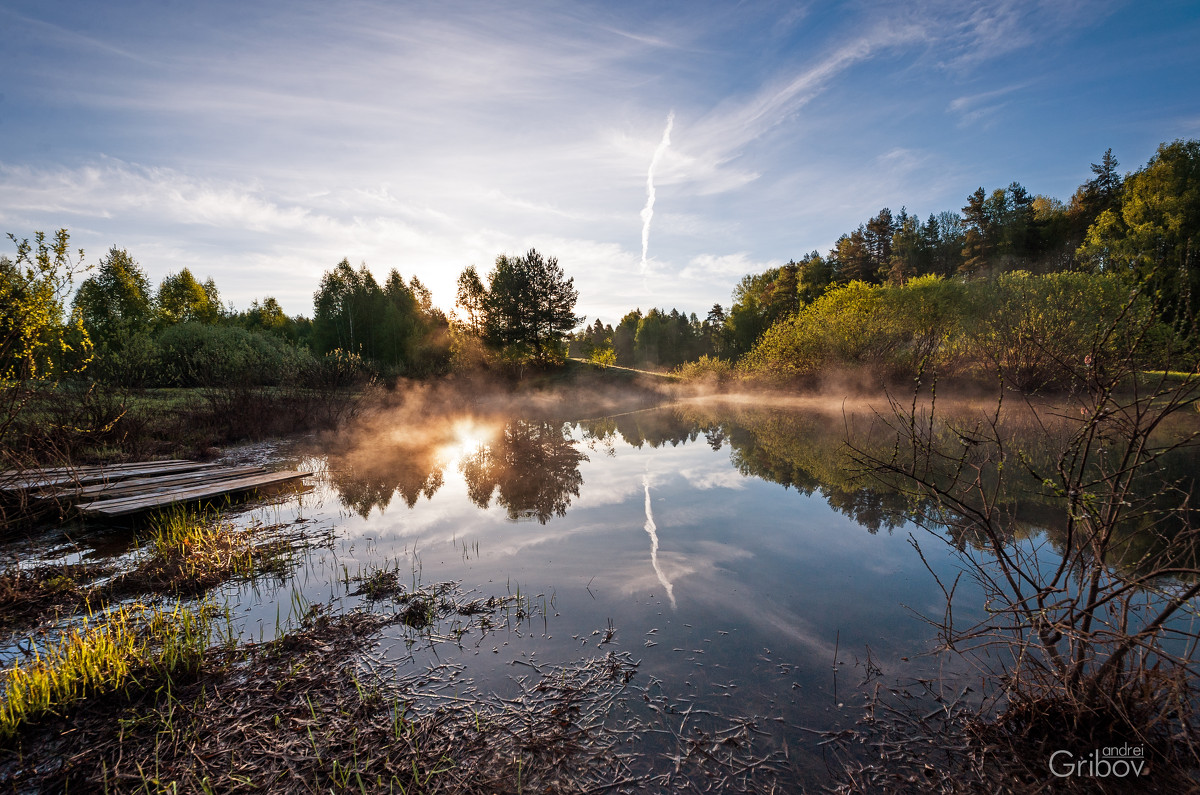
1035,331
197,354
340,368
849,325
1045,331
706,370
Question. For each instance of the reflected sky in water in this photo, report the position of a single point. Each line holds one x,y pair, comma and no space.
674,524
735,548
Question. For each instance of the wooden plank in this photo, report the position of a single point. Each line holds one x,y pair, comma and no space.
105,475
127,505
33,478
36,471
141,485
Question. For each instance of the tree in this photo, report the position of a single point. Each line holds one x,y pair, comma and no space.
267,315
879,231
945,238
714,331
338,308
1104,190
815,275
395,326
909,254
471,295
852,258
182,299
35,341
625,336
530,306
115,303
1154,232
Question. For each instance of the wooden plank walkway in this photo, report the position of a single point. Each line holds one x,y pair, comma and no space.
123,489
123,506
30,479
142,485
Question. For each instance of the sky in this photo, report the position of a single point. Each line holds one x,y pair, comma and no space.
659,150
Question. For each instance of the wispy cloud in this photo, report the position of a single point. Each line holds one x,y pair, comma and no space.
72,38
648,210
972,108
726,267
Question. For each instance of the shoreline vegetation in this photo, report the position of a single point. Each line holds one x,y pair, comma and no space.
1083,312
146,692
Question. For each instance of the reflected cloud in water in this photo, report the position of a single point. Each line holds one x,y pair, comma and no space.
652,531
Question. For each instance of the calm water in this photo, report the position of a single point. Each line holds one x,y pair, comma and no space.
735,557
731,547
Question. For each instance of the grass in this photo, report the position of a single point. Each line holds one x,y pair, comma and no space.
304,713
70,422
27,594
128,649
188,552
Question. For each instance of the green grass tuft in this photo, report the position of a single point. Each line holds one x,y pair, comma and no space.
129,649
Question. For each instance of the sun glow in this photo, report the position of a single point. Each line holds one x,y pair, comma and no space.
465,438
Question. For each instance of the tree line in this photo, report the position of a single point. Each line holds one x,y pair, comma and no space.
1138,231
120,330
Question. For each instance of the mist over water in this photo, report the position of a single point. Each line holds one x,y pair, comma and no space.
732,545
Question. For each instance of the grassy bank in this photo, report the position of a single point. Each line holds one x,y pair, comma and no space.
304,713
76,423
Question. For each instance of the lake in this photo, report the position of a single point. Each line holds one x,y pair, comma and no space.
739,564
734,549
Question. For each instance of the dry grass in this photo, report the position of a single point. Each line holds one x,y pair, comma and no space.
308,713
188,553
27,595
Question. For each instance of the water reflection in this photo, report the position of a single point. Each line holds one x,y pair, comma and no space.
652,531
368,477
805,451
532,469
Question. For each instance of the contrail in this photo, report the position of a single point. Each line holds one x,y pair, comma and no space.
648,210
652,531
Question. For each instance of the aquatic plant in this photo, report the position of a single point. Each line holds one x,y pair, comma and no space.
128,649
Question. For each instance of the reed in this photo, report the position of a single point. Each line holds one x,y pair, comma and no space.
188,552
125,650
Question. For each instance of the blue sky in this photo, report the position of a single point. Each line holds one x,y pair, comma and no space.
259,143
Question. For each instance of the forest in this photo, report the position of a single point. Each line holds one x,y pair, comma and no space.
1028,288
967,287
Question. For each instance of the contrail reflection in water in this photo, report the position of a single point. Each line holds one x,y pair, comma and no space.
652,531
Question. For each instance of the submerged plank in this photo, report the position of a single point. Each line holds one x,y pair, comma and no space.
100,475
144,485
126,505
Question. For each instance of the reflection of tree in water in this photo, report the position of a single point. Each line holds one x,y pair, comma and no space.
804,451
533,467
368,477
807,452
655,427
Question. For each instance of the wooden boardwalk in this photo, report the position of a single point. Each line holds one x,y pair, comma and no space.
124,489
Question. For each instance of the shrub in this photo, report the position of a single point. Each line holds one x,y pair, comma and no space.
196,354
340,368
1036,332
707,369
1046,331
